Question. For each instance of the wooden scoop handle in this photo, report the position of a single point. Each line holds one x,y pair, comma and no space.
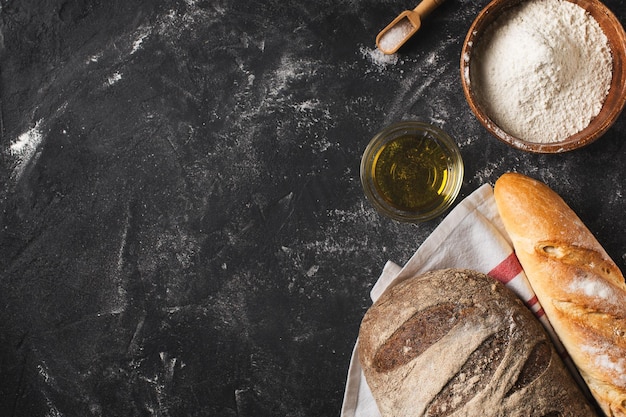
427,6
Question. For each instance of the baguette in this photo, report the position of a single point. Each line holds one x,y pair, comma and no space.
458,343
580,288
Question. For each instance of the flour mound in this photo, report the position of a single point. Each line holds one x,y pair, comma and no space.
543,70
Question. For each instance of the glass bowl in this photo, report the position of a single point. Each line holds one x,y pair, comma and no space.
411,171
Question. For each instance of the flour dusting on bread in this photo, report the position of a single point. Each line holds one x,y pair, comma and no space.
580,288
457,342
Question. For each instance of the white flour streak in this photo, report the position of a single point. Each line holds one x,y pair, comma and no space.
335,241
123,240
617,195
118,301
438,120
463,141
307,105
161,383
322,145
94,58
27,142
24,149
312,271
173,24
292,69
114,78
169,365
422,78
311,114
432,58
143,34
53,411
487,172
42,370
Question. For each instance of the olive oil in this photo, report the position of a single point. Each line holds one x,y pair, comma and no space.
411,173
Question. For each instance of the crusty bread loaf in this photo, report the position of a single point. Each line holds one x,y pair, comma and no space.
579,287
458,343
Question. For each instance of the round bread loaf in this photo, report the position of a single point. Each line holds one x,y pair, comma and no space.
458,343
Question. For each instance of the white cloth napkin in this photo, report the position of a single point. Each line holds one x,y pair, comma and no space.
471,236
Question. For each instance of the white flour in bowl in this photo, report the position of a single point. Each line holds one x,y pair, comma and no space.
543,70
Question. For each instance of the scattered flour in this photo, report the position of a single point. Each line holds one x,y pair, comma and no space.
376,57
543,71
605,361
25,147
114,78
27,142
137,44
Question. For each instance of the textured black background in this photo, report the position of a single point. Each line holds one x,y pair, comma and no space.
182,228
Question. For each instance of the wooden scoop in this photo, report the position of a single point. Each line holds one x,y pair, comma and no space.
391,38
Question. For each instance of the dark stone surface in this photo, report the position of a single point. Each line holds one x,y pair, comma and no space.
182,228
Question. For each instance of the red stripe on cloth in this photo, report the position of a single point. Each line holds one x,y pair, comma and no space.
530,303
540,312
506,270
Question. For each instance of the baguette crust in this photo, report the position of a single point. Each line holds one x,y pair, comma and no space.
580,288
458,343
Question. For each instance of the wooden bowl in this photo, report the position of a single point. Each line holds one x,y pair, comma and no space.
614,102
